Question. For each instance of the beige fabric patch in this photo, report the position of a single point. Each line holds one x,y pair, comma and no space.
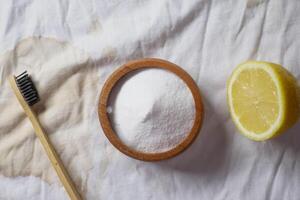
64,77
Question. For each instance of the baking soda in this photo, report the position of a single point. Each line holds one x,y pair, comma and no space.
152,110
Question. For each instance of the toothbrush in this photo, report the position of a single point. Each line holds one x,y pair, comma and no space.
27,95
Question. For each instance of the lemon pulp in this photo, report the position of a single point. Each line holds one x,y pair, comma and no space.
255,100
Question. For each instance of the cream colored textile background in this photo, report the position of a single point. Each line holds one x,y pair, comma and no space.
70,48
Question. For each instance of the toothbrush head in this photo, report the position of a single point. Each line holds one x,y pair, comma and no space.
27,88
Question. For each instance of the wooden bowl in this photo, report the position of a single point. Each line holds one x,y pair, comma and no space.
140,64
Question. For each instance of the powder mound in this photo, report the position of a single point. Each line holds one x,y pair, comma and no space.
152,110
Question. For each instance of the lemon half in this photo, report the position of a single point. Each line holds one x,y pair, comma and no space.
263,98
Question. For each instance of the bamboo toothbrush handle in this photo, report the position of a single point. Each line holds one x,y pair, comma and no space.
54,158
43,137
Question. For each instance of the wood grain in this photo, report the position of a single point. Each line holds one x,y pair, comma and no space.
43,137
142,64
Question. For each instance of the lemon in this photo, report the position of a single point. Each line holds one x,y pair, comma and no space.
263,98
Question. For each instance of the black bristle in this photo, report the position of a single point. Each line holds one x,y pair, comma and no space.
27,88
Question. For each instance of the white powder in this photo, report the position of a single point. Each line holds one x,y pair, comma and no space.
152,110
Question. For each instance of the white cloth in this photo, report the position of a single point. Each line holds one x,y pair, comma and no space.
206,38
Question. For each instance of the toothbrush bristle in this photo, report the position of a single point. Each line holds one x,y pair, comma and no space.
27,88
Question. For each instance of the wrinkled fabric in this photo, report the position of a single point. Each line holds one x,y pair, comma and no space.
81,43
